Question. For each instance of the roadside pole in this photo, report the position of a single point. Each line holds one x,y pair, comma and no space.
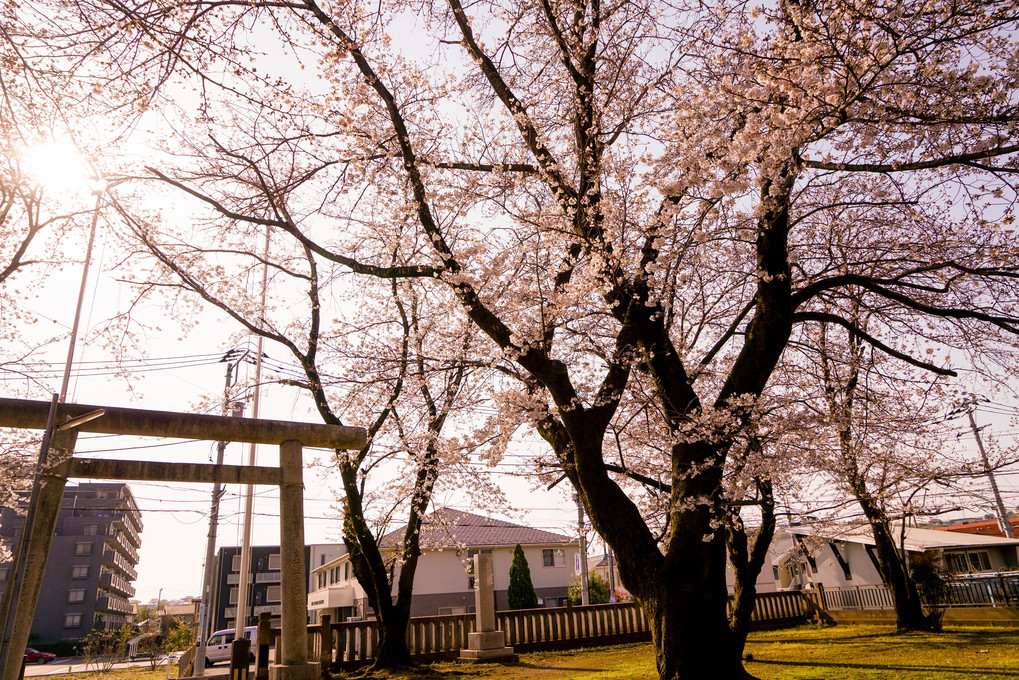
205,608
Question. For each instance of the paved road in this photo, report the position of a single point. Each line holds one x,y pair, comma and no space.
75,665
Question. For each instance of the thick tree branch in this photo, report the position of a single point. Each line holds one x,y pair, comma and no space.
945,161
803,317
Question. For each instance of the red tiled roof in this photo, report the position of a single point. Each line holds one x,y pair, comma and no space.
448,528
989,528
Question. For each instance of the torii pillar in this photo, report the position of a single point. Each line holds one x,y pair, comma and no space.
293,664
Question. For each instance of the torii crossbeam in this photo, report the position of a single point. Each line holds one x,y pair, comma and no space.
290,437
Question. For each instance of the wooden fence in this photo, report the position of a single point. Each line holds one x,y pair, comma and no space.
977,591
431,638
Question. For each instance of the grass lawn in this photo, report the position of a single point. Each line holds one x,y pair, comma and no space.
806,653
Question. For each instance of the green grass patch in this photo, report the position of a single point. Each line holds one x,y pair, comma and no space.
878,653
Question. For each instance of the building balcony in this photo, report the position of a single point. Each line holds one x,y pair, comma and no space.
112,603
121,522
118,585
119,542
113,559
260,577
133,515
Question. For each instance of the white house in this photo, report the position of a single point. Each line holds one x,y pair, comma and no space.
838,557
443,583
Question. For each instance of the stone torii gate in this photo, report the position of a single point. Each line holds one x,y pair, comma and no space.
290,437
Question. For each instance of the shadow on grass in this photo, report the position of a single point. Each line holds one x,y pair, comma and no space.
979,672
547,667
810,638
946,637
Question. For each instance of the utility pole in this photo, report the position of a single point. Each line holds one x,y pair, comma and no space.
585,598
240,641
205,608
1003,521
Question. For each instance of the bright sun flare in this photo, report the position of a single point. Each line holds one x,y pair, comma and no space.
59,168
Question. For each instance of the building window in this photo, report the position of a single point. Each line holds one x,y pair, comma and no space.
79,571
82,548
3,573
963,562
346,571
274,562
553,557
90,530
233,595
72,620
273,594
321,580
75,596
979,561
235,564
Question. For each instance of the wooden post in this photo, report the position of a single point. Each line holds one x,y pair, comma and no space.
262,639
240,658
326,645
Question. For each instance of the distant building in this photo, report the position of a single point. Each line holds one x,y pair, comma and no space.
92,561
264,582
443,583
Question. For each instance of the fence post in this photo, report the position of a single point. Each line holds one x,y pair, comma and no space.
325,644
262,637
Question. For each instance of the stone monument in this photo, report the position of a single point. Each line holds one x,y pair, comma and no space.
487,644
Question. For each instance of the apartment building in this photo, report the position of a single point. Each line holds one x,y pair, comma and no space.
92,562
264,587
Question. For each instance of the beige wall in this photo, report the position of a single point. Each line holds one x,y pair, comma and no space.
441,572
446,572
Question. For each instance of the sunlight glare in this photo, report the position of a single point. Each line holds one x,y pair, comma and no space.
58,167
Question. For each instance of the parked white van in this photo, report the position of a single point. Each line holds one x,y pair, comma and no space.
218,647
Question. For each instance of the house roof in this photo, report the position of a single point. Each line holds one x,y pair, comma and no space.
989,528
178,610
448,528
916,540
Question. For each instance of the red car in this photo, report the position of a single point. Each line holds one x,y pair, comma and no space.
33,656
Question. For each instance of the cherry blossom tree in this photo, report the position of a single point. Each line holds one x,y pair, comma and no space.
380,353
882,437
626,199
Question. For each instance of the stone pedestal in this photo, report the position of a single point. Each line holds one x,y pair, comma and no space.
487,644
303,671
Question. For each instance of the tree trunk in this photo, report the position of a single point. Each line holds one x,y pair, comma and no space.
686,609
909,612
392,652
747,561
